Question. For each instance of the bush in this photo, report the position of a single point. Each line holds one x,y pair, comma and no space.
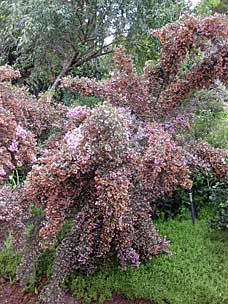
210,122
220,220
219,199
9,259
108,164
23,122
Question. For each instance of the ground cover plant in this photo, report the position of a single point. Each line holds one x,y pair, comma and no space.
197,273
104,168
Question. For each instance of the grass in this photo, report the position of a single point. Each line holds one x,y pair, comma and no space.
197,274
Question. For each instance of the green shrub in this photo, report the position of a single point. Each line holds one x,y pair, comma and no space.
220,220
213,128
219,198
70,98
202,189
211,120
9,259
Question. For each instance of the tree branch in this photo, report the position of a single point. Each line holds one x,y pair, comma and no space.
77,61
65,71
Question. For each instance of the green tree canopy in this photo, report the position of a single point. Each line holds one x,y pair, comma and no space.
222,7
47,40
207,7
153,14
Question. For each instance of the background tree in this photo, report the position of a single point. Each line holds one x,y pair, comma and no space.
222,7
152,14
206,7
47,40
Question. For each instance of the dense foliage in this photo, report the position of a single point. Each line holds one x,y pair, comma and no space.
107,166
23,121
207,7
210,120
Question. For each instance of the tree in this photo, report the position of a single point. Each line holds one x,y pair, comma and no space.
222,7
206,7
47,40
54,36
153,15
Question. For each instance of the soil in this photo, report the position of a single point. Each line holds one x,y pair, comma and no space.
116,299
13,294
